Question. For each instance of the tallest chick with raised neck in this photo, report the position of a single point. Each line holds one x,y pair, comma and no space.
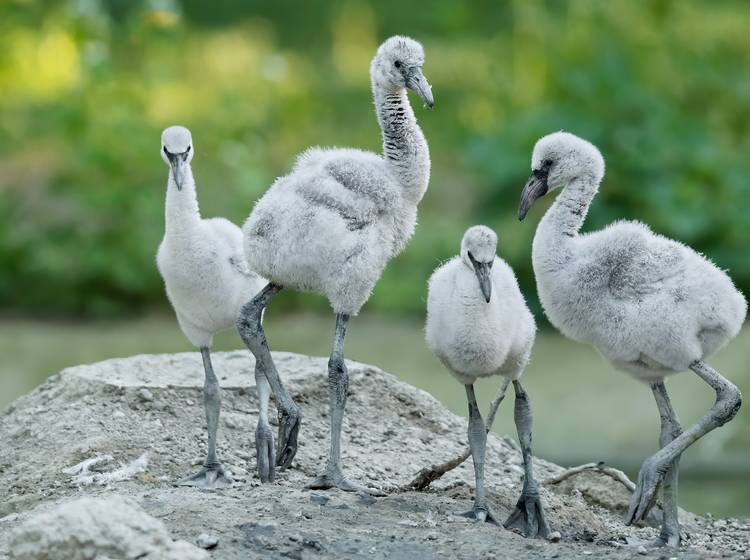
332,225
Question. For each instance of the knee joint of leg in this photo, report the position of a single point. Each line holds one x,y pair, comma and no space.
336,368
212,392
731,397
248,321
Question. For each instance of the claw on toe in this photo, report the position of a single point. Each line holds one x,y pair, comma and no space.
209,478
326,481
264,449
480,515
528,517
669,541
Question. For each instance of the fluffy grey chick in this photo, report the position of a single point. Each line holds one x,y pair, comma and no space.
650,305
332,225
478,324
207,281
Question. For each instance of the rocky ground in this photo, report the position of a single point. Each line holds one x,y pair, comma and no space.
124,408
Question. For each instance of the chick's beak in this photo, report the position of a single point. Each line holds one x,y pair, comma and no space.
416,82
177,164
536,187
482,270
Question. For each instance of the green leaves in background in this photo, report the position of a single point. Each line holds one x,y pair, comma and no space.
86,86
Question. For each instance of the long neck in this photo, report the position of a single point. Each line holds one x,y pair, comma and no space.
404,146
181,213
558,229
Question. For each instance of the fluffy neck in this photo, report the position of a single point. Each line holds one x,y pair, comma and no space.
560,226
182,211
404,146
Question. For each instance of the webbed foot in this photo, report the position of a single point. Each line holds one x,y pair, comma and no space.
289,424
528,517
644,495
336,479
210,477
481,515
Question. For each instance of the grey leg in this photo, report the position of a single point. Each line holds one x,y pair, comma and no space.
495,404
213,474
263,435
477,442
654,469
338,387
528,516
670,429
428,475
251,330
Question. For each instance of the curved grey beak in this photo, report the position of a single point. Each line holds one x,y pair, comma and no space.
416,82
536,187
177,163
483,270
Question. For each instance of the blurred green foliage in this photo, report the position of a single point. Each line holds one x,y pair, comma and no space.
86,86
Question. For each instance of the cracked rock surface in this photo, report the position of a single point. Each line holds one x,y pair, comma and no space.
153,403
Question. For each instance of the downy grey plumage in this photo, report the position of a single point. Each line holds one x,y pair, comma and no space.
652,306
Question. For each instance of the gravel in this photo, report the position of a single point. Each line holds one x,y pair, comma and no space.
391,430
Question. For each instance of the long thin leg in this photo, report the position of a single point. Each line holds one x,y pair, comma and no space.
477,442
338,387
654,469
430,474
263,434
670,429
213,474
251,330
528,516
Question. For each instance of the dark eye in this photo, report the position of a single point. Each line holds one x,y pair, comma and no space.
186,151
397,64
547,163
165,150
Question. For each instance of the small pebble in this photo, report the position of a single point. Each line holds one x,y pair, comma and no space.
145,395
641,550
319,499
207,541
555,536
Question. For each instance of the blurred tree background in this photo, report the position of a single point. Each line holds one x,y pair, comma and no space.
86,87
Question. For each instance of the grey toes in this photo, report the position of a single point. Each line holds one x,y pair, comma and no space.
264,448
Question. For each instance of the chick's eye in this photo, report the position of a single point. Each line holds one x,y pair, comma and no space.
397,64
547,163
165,149
187,149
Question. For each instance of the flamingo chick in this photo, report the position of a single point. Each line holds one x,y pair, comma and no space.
332,225
207,281
650,305
478,325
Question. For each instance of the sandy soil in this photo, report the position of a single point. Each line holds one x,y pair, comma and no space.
153,404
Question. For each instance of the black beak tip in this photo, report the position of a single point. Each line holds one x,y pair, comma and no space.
430,104
487,299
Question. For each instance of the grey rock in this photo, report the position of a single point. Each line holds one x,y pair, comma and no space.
207,541
88,528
